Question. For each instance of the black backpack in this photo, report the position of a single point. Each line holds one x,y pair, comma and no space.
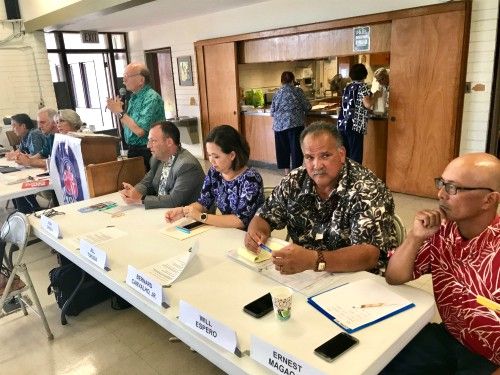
63,281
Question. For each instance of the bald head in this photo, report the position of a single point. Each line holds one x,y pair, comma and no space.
135,76
476,169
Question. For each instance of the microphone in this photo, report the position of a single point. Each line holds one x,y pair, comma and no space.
124,97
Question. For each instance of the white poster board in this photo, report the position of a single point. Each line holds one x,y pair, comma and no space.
67,171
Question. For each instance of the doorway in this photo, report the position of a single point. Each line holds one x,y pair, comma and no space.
159,63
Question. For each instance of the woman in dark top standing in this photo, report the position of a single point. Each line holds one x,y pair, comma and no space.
353,118
230,184
289,108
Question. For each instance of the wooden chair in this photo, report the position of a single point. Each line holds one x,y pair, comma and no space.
14,237
13,139
105,178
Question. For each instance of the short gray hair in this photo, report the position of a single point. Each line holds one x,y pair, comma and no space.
51,112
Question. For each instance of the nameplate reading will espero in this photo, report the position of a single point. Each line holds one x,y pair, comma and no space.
205,325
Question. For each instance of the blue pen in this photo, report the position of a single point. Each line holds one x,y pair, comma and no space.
182,229
266,248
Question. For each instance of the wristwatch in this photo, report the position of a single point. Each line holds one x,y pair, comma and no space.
142,198
121,114
203,217
320,262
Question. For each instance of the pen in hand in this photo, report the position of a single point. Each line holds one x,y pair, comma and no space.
266,248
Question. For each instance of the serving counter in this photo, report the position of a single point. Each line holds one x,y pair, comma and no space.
257,127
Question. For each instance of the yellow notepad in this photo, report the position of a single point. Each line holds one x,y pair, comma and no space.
252,257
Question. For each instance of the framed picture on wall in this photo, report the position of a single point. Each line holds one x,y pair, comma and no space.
185,69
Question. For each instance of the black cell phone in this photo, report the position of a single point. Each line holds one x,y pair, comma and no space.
260,307
43,174
335,346
193,225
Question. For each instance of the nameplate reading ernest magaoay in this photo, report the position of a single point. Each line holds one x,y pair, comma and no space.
207,326
277,360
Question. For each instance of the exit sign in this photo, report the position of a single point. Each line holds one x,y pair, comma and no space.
89,36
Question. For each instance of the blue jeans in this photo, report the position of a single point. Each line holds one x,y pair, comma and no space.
434,351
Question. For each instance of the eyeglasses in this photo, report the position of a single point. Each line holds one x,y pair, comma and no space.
125,76
453,189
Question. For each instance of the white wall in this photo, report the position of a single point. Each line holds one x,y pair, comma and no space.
18,76
181,35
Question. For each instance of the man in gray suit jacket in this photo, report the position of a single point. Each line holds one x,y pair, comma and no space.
176,176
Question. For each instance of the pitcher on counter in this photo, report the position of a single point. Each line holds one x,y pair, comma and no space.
289,109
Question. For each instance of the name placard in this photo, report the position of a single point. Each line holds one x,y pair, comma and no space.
277,360
206,326
146,285
51,226
94,254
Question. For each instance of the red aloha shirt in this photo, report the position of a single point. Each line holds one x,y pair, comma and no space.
462,269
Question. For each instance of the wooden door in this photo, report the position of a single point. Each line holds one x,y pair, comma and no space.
426,99
221,84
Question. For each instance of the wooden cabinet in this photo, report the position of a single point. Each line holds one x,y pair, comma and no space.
375,147
258,131
337,42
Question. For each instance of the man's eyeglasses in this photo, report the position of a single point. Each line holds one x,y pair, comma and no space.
453,189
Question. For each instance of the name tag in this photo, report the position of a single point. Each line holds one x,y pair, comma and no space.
277,360
94,254
51,226
146,285
208,327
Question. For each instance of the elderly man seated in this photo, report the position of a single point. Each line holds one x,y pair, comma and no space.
338,213
176,176
457,242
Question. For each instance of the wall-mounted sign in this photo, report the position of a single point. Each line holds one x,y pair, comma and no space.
89,36
361,39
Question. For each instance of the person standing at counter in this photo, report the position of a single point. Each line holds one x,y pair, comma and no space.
353,117
288,109
144,109
381,104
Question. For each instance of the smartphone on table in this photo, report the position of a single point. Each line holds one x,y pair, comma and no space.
336,346
260,307
189,227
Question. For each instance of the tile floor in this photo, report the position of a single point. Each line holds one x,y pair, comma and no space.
104,341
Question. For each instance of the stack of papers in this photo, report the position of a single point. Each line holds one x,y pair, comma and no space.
359,304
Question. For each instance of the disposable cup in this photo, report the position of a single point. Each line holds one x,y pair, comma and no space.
282,302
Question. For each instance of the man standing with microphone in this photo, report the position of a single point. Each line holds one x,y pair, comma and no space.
145,107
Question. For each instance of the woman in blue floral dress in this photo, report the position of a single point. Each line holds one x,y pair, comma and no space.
233,187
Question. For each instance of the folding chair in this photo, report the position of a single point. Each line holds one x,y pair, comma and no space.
400,229
14,235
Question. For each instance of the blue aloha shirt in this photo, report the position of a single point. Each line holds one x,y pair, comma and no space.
289,108
145,107
354,115
47,146
241,196
32,143
359,210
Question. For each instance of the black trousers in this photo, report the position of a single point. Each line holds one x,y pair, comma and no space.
287,143
433,351
134,151
353,143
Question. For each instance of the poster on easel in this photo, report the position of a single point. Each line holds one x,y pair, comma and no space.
67,171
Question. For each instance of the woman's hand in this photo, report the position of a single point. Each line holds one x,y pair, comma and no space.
192,212
174,214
